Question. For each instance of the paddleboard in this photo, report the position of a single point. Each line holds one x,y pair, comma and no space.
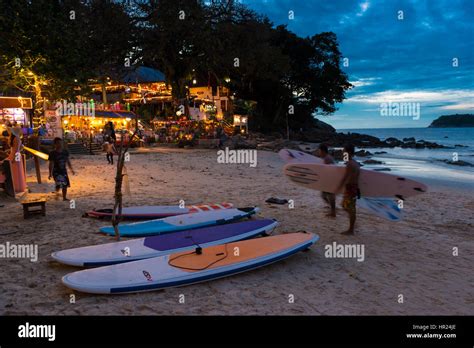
40,154
326,177
188,267
386,208
291,156
144,248
157,211
181,222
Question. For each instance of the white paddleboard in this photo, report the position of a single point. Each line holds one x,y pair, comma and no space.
144,248
181,222
187,267
327,177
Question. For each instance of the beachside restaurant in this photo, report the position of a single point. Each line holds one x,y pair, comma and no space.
144,91
203,133
87,129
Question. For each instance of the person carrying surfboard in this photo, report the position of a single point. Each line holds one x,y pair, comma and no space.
58,159
350,183
329,198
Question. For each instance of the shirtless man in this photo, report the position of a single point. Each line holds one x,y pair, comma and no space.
350,183
329,198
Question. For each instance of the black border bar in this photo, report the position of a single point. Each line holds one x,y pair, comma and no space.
290,330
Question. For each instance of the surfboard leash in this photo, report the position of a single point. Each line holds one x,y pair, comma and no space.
198,249
226,254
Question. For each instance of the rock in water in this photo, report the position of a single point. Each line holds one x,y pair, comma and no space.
372,161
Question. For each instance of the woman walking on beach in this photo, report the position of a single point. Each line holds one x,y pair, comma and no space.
58,159
110,149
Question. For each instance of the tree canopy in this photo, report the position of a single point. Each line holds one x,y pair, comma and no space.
63,44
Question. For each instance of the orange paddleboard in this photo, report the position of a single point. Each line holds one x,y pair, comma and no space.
233,253
189,267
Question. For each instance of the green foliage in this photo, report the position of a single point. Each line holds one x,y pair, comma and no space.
173,39
271,66
66,42
218,42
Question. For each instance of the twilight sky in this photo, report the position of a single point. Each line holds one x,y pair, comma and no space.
392,60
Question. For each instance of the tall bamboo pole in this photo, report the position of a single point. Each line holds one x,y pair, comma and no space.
117,212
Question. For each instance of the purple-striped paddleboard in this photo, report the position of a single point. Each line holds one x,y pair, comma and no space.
143,248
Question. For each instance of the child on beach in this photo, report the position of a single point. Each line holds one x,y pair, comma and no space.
329,198
58,159
350,182
109,149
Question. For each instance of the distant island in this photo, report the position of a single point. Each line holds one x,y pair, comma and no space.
453,121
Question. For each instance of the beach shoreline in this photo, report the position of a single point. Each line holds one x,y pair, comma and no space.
413,257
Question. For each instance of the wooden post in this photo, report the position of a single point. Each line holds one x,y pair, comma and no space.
117,212
37,168
34,144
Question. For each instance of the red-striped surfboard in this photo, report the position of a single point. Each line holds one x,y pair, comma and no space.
158,211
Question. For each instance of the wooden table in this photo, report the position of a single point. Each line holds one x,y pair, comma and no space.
32,201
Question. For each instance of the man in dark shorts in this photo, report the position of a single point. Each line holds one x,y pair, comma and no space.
329,198
58,159
350,183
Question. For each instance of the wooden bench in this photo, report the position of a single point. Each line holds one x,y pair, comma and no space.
32,201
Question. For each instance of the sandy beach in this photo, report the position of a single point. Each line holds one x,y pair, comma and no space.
413,257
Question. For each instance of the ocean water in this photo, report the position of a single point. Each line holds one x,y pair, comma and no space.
426,162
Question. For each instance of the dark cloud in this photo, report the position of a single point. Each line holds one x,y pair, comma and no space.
413,54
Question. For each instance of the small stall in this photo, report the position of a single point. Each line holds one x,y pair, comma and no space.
13,115
241,124
14,112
